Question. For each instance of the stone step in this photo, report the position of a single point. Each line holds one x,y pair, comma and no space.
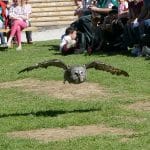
54,18
49,24
51,14
50,4
45,1
52,9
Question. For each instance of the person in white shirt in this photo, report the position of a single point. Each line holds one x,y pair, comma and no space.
68,43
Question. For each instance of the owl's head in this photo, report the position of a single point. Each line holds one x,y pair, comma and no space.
78,74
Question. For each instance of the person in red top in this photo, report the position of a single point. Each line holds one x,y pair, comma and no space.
3,5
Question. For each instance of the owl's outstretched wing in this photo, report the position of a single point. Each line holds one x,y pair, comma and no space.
104,67
45,64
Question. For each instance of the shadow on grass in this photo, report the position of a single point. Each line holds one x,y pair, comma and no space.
3,49
53,47
48,113
112,52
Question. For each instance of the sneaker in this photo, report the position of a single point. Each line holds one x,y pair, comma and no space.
18,48
145,50
30,42
136,51
9,45
4,46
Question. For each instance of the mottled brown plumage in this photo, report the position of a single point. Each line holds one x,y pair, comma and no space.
77,73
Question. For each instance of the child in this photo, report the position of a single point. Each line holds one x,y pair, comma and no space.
68,42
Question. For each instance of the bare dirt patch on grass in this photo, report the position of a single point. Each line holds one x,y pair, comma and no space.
124,140
140,106
57,134
131,119
58,89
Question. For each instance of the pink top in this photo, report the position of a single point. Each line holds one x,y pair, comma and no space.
123,6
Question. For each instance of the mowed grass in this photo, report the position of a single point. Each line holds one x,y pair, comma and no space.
21,111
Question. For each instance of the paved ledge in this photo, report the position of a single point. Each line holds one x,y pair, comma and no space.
45,35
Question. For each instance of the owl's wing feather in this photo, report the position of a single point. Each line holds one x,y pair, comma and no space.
104,67
45,64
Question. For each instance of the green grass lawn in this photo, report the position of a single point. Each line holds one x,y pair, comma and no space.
21,110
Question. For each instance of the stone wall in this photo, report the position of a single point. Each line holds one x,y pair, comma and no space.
52,13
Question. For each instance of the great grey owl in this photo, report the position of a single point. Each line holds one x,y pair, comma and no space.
76,74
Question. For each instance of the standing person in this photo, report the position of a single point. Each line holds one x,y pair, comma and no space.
19,15
29,33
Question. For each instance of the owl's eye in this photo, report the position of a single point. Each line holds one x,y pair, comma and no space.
76,73
81,72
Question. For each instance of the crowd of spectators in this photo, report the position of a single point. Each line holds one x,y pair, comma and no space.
102,26
112,25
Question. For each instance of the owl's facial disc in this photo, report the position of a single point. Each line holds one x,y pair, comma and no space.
78,74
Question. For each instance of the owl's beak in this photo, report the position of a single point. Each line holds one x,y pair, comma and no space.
80,78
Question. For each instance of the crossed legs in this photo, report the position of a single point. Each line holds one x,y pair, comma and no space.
17,27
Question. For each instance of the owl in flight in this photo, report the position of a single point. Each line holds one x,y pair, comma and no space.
76,73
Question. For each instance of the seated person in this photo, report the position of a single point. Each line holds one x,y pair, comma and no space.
3,16
68,43
123,6
135,7
131,34
3,43
139,27
28,33
19,15
85,25
110,32
82,7
123,9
